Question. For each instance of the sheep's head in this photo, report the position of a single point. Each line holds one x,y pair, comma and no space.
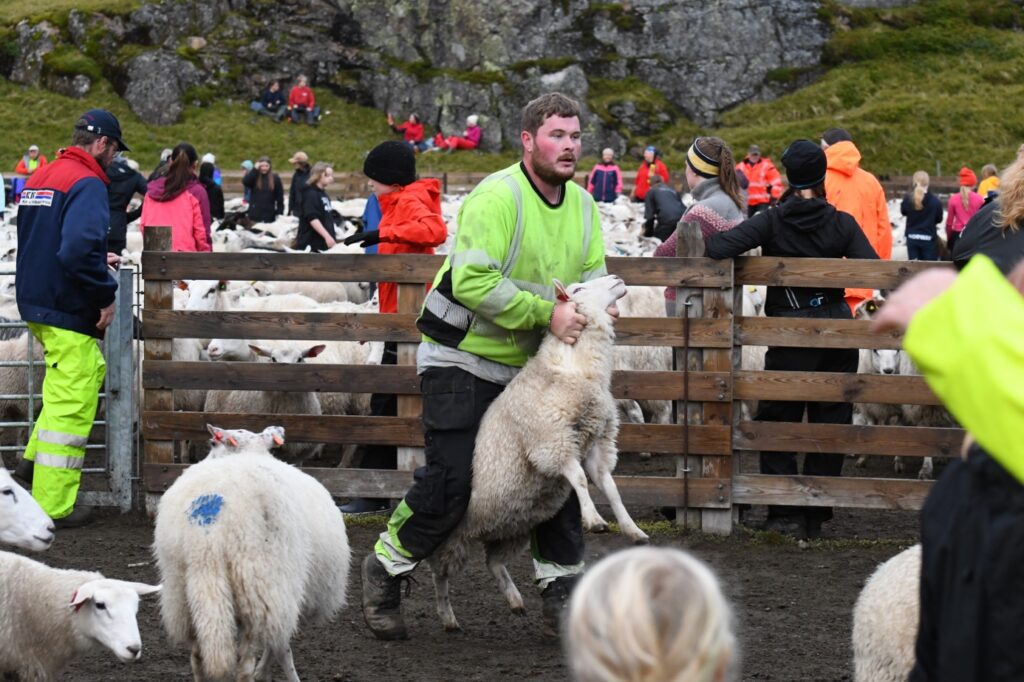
592,298
23,523
288,355
105,612
228,441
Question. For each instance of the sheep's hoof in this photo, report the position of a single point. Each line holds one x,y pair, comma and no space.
518,610
452,627
601,527
923,475
641,539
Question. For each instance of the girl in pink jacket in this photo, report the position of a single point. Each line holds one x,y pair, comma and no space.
962,206
179,201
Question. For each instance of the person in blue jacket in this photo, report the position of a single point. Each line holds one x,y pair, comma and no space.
605,180
65,292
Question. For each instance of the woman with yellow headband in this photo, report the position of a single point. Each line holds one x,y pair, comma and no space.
802,224
711,176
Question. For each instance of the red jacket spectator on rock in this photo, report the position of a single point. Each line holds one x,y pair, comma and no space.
30,162
764,182
643,174
302,101
411,131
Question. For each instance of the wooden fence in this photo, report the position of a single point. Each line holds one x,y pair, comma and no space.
705,446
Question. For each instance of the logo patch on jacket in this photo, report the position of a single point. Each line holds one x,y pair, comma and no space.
37,197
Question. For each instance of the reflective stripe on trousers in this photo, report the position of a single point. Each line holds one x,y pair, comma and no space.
74,375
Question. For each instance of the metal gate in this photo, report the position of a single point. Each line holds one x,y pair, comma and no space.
111,470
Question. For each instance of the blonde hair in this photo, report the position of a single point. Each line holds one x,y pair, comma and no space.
989,170
317,172
921,181
1010,214
649,614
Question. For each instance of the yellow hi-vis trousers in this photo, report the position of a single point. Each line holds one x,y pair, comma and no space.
74,374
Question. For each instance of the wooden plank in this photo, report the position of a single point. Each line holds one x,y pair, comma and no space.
159,295
675,272
262,376
292,267
912,441
313,326
812,333
410,300
634,490
828,272
407,431
828,491
833,387
718,305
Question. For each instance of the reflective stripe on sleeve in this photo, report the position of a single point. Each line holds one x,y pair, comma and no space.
58,438
59,461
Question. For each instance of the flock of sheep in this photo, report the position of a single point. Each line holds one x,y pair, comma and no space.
238,610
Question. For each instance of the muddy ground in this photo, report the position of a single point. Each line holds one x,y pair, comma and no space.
793,604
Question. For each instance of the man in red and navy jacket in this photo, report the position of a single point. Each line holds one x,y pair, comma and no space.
65,293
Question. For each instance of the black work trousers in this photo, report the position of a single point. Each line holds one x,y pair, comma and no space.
382,405
807,360
972,583
454,402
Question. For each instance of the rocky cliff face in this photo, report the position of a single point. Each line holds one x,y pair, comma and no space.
444,60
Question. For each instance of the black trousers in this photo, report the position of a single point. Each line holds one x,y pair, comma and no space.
807,360
454,402
382,405
972,581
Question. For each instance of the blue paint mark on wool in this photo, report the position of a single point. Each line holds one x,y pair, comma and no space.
205,509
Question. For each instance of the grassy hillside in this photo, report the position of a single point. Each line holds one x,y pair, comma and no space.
942,81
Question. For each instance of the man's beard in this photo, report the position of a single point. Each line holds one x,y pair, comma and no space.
551,175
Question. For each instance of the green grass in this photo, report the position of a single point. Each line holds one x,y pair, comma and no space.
12,11
941,81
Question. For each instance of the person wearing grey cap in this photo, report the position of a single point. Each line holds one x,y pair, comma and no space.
30,162
802,224
65,293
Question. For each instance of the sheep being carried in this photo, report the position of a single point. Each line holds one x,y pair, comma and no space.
554,424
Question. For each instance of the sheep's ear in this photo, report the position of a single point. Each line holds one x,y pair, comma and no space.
259,351
216,433
183,285
83,594
276,435
560,293
314,351
142,589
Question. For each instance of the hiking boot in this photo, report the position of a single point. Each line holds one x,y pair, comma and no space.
79,516
555,598
23,472
382,600
795,526
364,506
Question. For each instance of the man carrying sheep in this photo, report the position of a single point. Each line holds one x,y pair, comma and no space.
490,306
66,293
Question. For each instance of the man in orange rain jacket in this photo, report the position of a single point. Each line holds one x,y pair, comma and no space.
852,189
765,186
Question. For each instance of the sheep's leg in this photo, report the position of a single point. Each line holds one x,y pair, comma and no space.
861,461
444,602
596,464
348,456
592,521
197,663
927,469
263,669
287,664
497,553
897,465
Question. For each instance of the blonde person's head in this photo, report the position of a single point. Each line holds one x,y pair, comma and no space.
317,171
1010,214
921,181
649,614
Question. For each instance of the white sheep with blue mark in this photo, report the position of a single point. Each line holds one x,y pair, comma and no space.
246,546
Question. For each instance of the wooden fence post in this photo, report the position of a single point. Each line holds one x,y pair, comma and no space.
159,295
410,300
694,302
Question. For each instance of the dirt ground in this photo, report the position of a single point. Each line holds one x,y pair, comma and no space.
793,604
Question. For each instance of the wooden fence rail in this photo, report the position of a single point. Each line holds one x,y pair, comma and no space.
705,442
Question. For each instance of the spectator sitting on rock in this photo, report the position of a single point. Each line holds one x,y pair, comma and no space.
267,198
411,131
30,162
470,139
271,102
302,102
300,160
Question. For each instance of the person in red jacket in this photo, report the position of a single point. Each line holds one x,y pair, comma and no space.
302,102
411,131
410,222
764,182
27,166
651,163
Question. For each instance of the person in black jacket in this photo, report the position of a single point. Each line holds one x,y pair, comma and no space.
125,182
213,191
662,209
266,201
802,224
997,229
924,213
316,225
300,160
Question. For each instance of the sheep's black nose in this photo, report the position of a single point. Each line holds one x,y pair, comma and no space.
134,650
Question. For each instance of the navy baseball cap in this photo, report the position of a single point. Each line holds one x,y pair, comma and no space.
103,123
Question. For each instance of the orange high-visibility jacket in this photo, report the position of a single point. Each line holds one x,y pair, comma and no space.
765,181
